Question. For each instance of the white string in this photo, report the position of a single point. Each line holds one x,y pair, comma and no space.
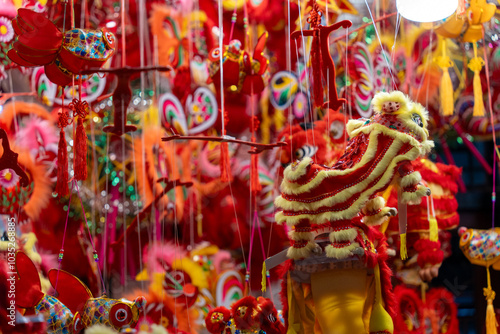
289,69
137,212
380,42
221,55
398,23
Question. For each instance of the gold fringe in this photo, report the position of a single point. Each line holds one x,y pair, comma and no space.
402,249
491,320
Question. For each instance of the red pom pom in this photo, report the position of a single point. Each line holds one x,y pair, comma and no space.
243,311
217,319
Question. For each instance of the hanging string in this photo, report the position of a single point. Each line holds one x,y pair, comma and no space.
381,46
96,256
124,45
61,251
233,20
289,69
221,47
496,153
398,23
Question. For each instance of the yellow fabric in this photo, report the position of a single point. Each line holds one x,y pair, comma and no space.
380,320
301,317
264,278
339,300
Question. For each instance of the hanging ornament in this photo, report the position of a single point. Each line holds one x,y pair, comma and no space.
322,62
40,43
81,110
241,71
446,86
8,162
62,154
482,247
475,65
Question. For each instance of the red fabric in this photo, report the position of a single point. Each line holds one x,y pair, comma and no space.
70,290
429,252
28,286
410,307
243,319
283,274
216,326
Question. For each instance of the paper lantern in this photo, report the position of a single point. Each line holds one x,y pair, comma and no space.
426,10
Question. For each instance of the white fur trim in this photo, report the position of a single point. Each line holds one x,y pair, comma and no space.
293,173
414,198
410,180
374,204
300,253
300,235
343,235
396,96
342,253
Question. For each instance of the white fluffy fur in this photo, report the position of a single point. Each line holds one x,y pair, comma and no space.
100,329
300,253
294,173
379,218
374,204
414,198
380,98
341,253
410,180
300,235
343,235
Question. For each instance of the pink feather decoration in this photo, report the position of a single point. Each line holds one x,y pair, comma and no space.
36,132
157,255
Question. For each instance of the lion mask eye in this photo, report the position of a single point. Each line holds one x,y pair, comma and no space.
417,119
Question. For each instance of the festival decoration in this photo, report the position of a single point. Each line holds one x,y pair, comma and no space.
75,308
247,315
427,223
342,201
320,54
478,13
434,311
482,247
9,164
40,43
241,72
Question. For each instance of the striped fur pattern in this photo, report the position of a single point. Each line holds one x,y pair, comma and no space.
380,150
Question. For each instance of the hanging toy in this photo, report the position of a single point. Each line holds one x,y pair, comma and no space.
40,43
331,210
75,308
241,72
482,248
320,54
247,315
8,161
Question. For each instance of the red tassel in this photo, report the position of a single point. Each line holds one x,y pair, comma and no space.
80,109
62,165
80,151
225,164
254,174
